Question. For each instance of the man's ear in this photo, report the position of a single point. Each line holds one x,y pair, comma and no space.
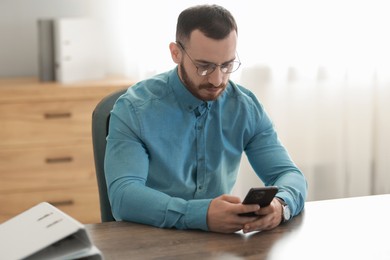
175,52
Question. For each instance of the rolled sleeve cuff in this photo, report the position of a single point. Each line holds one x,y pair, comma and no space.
296,203
196,215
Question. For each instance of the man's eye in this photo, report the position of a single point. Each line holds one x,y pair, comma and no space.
204,66
227,65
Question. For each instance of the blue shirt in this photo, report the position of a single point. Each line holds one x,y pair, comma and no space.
169,154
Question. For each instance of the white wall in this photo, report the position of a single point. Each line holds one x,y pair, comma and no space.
18,30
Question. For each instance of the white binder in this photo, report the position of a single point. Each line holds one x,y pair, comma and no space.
45,232
79,50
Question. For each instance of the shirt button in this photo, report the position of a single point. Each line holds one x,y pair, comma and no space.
200,187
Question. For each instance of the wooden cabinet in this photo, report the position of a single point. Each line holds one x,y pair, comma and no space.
46,146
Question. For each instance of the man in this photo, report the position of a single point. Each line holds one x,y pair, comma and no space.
176,140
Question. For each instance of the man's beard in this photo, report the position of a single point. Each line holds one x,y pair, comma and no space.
191,86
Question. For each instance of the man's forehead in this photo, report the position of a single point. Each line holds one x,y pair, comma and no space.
211,50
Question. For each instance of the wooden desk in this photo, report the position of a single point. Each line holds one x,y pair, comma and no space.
354,228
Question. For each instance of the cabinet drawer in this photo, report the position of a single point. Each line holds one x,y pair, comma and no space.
45,122
80,203
46,167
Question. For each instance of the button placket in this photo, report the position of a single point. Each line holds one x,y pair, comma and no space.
200,150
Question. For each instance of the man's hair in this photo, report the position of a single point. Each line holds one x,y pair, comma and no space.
213,21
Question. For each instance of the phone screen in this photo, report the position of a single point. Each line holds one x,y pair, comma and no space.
261,196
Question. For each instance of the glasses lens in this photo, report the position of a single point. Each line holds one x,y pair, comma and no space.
206,70
203,72
233,66
226,68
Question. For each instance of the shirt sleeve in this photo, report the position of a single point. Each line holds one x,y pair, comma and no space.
126,169
272,163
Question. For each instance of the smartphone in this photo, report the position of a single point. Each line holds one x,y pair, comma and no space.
262,196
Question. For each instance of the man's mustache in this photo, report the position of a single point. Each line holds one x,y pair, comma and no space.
208,85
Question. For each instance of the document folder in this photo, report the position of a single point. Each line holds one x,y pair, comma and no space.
45,232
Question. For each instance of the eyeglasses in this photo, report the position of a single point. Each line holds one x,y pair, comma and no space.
208,68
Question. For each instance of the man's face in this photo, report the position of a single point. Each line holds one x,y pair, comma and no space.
203,51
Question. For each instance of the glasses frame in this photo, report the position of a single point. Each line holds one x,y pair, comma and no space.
211,67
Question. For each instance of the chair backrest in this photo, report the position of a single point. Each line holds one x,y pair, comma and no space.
100,124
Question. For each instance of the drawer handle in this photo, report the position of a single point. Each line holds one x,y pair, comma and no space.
65,159
61,202
57,115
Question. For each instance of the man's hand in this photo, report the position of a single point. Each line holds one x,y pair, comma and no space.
269,218
222,215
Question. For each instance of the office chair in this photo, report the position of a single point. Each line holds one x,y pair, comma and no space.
100,120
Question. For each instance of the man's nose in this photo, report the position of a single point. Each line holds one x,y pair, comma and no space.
216,77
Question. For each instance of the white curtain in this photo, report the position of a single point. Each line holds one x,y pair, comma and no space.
321,69
335,126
